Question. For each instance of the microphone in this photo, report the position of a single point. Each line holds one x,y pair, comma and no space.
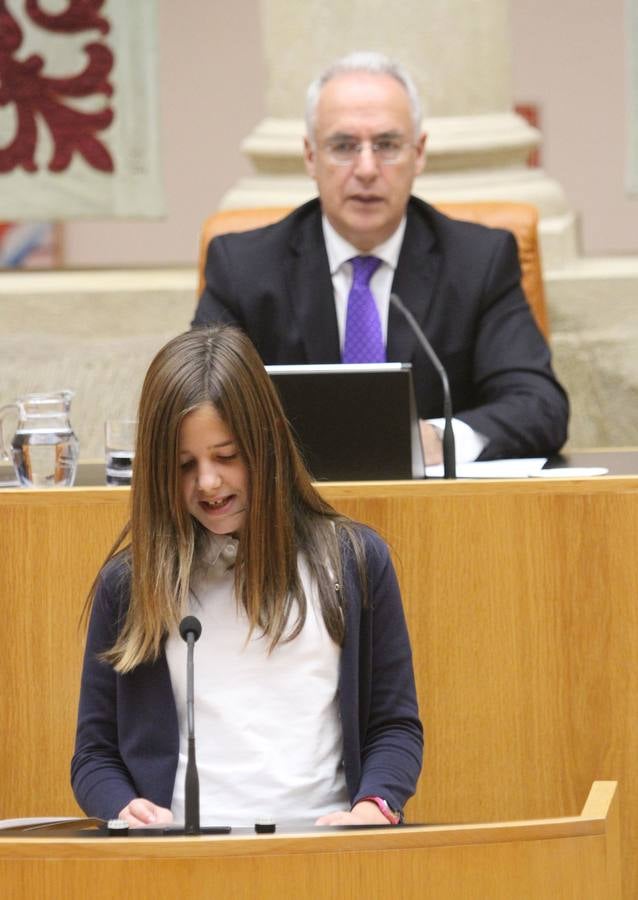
190,629
449,452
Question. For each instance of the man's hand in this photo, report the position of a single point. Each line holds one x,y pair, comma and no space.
432,444
140,812
363,813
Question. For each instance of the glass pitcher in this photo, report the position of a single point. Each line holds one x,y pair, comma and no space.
44,450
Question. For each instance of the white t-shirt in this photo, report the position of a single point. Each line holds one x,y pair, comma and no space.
269,741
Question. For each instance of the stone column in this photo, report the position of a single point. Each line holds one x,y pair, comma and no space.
458,54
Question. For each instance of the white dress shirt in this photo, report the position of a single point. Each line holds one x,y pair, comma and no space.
469,443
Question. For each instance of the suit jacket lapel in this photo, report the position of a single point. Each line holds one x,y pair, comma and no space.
414,283
311,292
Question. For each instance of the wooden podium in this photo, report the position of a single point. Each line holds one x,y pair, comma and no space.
520,598
550,859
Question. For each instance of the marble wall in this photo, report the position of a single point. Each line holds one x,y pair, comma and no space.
594,322
102,330
95,338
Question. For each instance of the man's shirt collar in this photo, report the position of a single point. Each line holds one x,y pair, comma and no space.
339,250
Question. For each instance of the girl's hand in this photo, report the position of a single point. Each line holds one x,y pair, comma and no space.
363,813
141,812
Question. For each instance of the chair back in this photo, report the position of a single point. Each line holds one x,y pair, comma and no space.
519,218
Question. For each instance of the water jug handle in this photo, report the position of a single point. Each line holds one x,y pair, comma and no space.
4,453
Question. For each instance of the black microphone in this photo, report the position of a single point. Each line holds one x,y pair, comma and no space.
449,451
190,629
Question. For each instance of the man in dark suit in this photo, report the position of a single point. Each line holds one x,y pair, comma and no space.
293,286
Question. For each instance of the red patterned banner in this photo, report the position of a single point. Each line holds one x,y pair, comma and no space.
78,109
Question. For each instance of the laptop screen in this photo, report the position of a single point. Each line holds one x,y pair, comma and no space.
353,422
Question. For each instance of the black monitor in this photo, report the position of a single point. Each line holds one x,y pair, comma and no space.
353,422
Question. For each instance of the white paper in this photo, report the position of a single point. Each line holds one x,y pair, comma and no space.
572,472
517,468
493,468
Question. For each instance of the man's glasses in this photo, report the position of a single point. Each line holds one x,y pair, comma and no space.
344,151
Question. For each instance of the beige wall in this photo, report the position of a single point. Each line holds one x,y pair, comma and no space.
567,57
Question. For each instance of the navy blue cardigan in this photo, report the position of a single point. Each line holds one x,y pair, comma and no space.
127,734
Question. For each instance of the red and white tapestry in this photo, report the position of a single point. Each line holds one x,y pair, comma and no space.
78,109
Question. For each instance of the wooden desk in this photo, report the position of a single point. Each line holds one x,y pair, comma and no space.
553,859
619,461
521,602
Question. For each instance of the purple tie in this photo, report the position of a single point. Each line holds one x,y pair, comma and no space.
364,341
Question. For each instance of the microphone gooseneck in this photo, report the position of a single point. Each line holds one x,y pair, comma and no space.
449,450
190,629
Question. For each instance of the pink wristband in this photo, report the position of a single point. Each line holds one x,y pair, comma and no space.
393,818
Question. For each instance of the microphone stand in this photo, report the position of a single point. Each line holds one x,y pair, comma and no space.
449,450
190,629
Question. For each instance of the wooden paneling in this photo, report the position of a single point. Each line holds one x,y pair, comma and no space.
51,545
521,603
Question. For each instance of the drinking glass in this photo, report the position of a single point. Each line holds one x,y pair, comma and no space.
119,449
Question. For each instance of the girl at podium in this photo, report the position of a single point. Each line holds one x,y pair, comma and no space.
305,703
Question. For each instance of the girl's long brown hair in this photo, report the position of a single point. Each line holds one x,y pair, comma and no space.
285,515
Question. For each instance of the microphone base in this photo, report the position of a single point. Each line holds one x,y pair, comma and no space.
175,831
